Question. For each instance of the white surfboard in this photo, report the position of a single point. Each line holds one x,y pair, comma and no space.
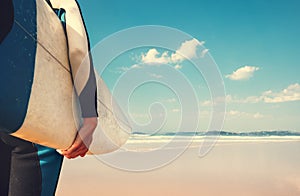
52,117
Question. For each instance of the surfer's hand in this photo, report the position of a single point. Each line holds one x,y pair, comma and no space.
82,140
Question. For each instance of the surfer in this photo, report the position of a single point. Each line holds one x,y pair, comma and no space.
31,169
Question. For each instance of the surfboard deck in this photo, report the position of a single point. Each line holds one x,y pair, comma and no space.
41,105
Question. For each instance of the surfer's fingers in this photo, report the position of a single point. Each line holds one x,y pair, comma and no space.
75,146
79,152
77,143
77,149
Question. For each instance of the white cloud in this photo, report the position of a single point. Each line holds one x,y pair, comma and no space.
204,52
175,110
178,66
251,99
187,50
125,69
217,101
243,73
234,113
206,103
135,66
239,114
291,93
154,57
258,115
120,70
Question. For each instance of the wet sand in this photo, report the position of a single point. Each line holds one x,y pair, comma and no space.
233,169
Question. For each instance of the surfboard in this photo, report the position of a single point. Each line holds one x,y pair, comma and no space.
38,102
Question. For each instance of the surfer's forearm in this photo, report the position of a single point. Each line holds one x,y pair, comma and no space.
88,96
90,123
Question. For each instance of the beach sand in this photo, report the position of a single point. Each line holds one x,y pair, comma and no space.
241,169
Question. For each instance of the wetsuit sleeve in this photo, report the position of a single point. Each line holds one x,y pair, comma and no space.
80,59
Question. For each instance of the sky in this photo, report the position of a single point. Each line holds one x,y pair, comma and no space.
254,45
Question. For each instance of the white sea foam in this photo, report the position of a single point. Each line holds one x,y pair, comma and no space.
149,143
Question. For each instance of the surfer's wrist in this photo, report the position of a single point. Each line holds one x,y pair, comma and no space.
83,139
90,122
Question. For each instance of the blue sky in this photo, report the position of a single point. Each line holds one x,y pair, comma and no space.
254,43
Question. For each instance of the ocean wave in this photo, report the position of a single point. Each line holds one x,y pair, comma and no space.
220,133
150,143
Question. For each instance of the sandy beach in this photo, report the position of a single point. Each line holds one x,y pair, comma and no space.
230,168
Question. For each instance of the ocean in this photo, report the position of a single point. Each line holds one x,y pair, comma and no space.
140,141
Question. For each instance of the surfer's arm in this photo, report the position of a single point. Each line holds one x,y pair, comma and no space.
80,59
83,76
